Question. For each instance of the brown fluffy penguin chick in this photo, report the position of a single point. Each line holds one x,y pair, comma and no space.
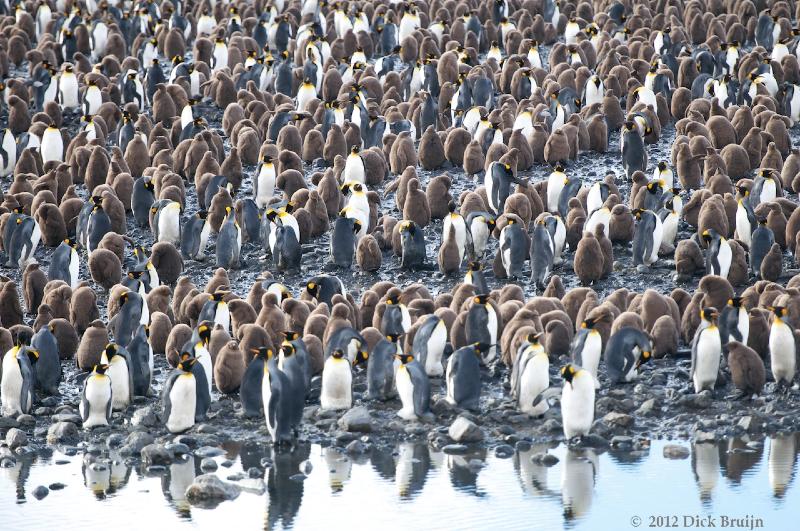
10,308
229,368
66,337
747,369
105,268
160,326
178,336
93,341
368,253
438,194
168,262
402,154
589,259
557,147
772,264
449,256
33,282
688,259
431,150
83,308
416,207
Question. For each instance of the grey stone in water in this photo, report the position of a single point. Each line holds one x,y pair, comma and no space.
188,440
138,440
618,419
16,438
356,447
503,451
594,441
455,449
156,469
208,451
676,451
226,463
749,424
522,446
236,477
464,430
544,459
622,442
145,417
356,419
208,465
40,492
114,440
62,432
156,454
306,467
177,448
208,491
254,473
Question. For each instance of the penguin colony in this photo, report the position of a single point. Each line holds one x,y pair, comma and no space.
106,104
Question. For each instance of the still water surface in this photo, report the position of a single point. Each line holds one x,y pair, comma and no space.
414,487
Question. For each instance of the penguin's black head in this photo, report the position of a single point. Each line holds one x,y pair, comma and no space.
709,314
533,339
111,350
644,358
408,226
362,356
186,363
355,150
743,190
392,337
662,166
97,200
263,353
289,207
654,187
735,302
123,298
23,338
394,299
568,372
100,369
313,288
204,332
779,311
217,296
481,299
637,213
72,242
405,358
474,266
708,235
589,323
288,349
339,354
289,335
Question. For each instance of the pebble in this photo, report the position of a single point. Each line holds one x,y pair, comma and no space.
464,430
208,451
40,492
26,420
522,446
236,477
227,463
208,465
8,422
208,491
57,486
455,449
356,447
254,473
357,419
503,451
16,438
622,442
62,432
49,401
177,448
144,417
675,451
298,477
305,467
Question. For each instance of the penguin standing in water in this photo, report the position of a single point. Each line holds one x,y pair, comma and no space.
17,377
412,246
96,397
498,181
647,238
380,368
719,254
479,228
396,319
541,255
577,401
250,388
734,322
48,365
229,242
184,396
781,348
761,242
475,277
463,377
634,154
482,327
64,264
24,241
706,352
413,388
119,371
587,347
194,236
275,399
626,351
430,342
337,381
513,248
533,377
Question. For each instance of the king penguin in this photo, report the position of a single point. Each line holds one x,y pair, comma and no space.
184,397
337,382
250,388
216,310
96,398
647,237
587,348
429,345
463,378
119,371
413,388
706,352
577,401
479,228
541,255
718,255
48,365
513,248
274,397
229,242
17,378
475,277
533,378
627,349
395,319
498,181
761,242
781,348
194,236
24,241
734,322
380,368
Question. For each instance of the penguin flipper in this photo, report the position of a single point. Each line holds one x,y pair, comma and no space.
272,407
85,406
110,402
694,355
202,396
165,399
26,393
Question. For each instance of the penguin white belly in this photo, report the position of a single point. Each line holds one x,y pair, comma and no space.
11,384
220,59
480,236
155,281
559,240
782,352
577,405
204,358
731,58
417,78
535,59
204,234
600,216
769,192
506,252
524,123
304,97
534,380
436,344
354,169
52,146
706,368
10,150
488,182
744,325
360,202
450,382
266,185
633,373
456,222
337,381
98,394
405,390
223,316
26,257
100,35
724,258
74,266
670,230
183,399
590,357
794,105
558,122
194,85
169,225
492,325
594,94
743,228
405,317
120,383
68,91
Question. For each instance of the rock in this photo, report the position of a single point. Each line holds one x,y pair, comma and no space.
551,425
503,451
647,407
701,401
144,417
297,477
522,446
545,459
355,448
208,491
26,420
156,454
177,448
305,467
114,440
464,430
254,473
8,422
618,419
622,442
208,465
594,441
675,451
57,486
62,432
356,419
16,438
136,442
704,437
40,492
750,424
208,451
455,449
65,416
